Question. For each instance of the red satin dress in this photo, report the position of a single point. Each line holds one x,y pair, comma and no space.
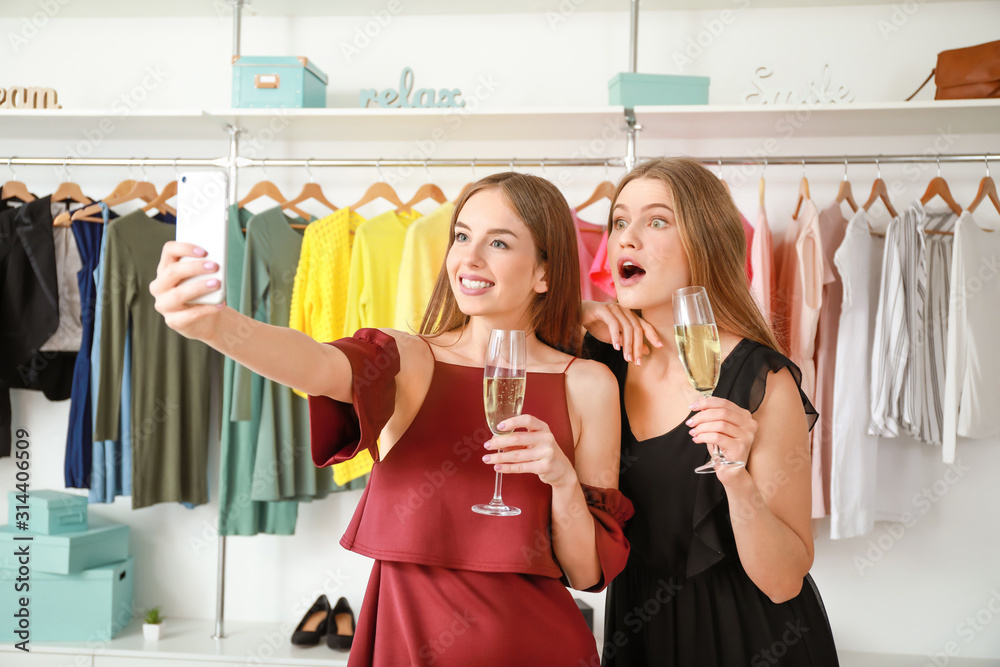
450,587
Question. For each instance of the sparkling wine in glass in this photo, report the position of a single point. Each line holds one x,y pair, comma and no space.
503,395
700,352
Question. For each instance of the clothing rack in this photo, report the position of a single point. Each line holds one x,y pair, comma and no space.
233,163
240,162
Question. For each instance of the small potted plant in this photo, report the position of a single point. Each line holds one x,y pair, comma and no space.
152,625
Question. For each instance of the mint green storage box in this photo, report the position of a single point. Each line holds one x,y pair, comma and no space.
50,512
270,82
69,553
630,89
93,605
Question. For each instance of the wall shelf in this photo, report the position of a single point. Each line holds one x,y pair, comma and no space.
790,121
215,8
524,124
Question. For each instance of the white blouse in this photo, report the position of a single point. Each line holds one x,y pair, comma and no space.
972,385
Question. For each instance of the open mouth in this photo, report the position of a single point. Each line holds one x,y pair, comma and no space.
629,271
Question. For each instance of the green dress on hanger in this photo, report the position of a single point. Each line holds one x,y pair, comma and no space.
283,467
238,513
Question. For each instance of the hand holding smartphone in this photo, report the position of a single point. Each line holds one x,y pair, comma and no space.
202,198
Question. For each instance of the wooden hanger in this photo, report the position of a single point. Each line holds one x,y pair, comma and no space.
604,190
803,191
880,191
64,219
67,191
427,191
844,192
70,192
938,187
310,190
121,188
160,202
15,189
143,190
269,189
383,190
987,189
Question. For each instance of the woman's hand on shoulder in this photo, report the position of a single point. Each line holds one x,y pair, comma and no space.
620,327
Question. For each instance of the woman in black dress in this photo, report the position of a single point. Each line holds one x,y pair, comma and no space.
718,574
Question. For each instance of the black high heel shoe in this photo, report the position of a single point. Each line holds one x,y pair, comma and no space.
340,628
314,624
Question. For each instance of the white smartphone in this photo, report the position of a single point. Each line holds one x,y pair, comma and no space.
202,219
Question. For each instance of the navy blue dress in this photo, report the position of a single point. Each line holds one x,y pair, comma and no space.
684,598
79,440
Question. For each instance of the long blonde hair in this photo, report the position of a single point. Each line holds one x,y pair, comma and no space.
555,314
711,233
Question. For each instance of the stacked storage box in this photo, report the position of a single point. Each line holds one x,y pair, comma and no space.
79,574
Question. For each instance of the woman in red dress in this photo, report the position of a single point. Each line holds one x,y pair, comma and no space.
449,586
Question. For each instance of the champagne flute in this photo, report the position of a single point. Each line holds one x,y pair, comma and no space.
503,394
700,352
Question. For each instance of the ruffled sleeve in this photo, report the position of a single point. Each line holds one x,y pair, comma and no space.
339,431
610,509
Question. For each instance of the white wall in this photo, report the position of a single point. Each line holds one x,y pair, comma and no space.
924,580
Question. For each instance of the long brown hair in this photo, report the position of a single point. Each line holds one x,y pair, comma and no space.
711,232
554,315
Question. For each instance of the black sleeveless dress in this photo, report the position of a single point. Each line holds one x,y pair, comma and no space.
684,599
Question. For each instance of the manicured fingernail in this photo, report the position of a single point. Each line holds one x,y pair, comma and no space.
200,251
487,458
693,405
617,347
212,283
498,467
638,361
689,422
210,266
659,344
501,426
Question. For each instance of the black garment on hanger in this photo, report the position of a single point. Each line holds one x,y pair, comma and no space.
29,310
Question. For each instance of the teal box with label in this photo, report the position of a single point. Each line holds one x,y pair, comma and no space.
93,605
273,82
48,512
68,553
630,89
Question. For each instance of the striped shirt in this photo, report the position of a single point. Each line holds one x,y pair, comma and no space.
901,296
938,256
907,381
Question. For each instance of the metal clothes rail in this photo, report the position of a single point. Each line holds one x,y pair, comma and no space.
240,162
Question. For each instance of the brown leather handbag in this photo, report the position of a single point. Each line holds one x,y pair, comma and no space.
965,74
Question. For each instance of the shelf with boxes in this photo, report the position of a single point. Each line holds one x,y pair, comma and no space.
71,575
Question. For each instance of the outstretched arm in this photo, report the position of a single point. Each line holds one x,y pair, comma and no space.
280,354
